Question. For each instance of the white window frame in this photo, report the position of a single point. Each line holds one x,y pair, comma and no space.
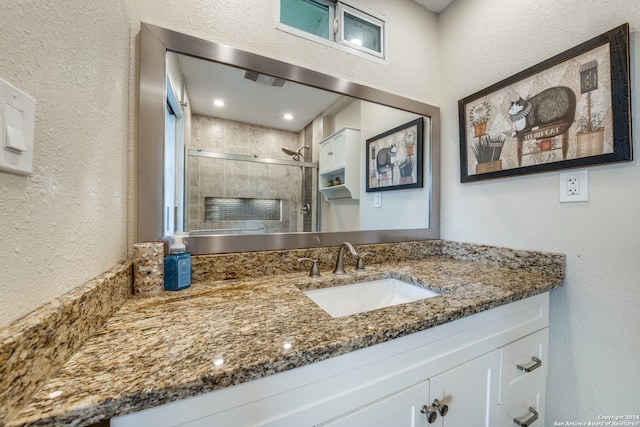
174,196
336,34
342,9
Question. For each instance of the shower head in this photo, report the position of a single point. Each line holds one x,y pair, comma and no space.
289,152
295,154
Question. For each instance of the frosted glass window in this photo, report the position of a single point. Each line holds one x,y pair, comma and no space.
361,31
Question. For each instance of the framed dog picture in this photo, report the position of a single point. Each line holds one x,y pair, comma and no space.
572,110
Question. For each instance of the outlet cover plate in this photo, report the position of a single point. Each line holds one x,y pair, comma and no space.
377,200
574,186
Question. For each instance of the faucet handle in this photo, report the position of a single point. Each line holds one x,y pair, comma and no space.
360,266
315,271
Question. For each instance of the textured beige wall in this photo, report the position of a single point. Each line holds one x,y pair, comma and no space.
594,342
66,223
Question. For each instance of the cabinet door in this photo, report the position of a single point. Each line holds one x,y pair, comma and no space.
470,391
339,149
522,390
401,409
332,152
326,156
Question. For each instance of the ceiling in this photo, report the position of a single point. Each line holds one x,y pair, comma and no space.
436,6
259,102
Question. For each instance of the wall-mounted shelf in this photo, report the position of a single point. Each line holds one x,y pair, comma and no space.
339,159
336,192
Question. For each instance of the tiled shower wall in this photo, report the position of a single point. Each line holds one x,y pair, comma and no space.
227,178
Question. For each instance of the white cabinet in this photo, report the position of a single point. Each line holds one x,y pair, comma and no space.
470,393
469,364
339,165
401,409
524,376
333,150
466,395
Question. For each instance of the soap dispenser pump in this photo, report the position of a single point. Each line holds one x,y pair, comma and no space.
177,267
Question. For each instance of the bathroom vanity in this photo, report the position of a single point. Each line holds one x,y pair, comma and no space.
470,372
256,350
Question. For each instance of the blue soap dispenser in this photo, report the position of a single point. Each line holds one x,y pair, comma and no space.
177,267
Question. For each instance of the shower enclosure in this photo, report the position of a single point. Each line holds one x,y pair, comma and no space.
297,155
244,179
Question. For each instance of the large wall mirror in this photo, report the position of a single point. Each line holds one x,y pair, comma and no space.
239,152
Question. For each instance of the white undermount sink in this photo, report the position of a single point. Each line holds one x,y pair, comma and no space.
344,300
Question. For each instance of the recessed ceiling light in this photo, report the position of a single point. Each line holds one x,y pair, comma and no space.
218,103
357,42
288,116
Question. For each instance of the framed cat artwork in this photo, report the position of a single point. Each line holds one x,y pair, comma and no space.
394,158
572,110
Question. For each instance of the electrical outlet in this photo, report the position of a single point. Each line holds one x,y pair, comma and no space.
574,186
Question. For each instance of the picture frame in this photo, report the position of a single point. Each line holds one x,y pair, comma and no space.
572,110
394,158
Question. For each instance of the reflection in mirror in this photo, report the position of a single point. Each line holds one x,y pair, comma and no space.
252,144
260,154
249,152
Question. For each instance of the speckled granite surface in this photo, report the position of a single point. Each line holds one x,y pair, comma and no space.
36,346
268,263
163,348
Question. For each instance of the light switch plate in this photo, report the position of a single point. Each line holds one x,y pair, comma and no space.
574,186
377,200
17,122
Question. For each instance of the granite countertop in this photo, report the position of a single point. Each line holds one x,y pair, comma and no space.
159,349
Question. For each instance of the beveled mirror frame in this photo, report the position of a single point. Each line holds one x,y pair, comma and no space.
154,43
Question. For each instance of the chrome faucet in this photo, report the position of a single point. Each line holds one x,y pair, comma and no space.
340,260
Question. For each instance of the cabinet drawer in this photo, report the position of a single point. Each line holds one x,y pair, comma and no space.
519,404
519,389
521,353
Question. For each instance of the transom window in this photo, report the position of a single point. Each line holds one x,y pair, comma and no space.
339,23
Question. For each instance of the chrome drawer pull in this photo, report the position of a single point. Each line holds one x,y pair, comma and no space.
529,421
530,368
